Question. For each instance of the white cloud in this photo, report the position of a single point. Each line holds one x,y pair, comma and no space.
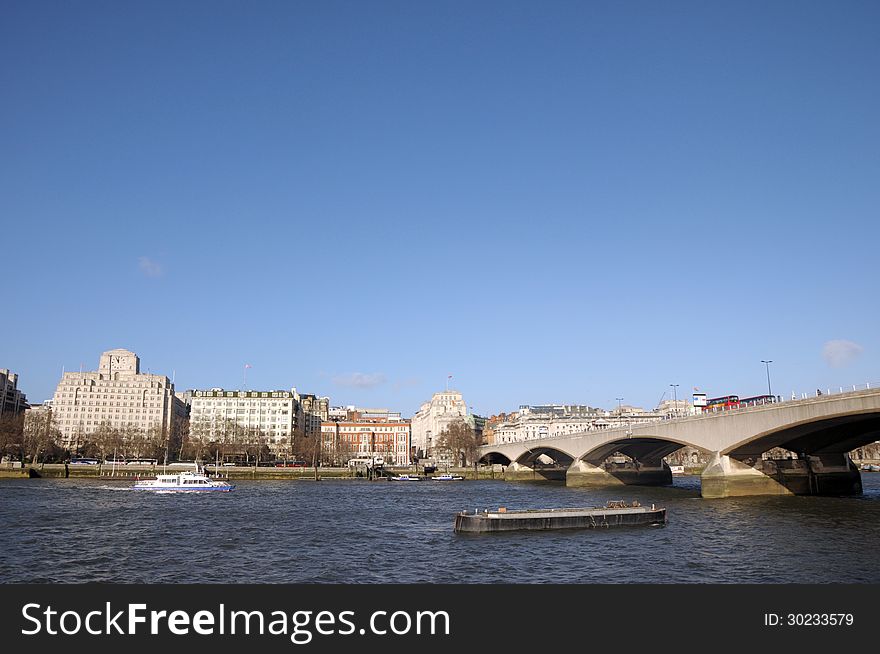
359,379
838,353
149,267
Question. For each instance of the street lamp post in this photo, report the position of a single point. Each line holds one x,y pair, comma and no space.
767,364
619,409
675,399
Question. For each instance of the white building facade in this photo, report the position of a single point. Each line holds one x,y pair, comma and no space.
273,415
434,417
532,423
117,394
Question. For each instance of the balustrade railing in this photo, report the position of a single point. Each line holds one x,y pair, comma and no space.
778,399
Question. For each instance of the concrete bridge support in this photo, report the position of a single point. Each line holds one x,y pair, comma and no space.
585,475
827,474
519,472
724,476
582,473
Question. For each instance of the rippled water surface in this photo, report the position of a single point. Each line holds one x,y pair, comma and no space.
76,530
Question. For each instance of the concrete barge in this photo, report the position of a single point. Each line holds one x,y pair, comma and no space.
615,514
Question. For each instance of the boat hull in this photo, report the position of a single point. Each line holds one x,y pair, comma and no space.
185,489
491,522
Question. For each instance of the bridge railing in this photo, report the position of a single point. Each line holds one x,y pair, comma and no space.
779,399
795,397
834,391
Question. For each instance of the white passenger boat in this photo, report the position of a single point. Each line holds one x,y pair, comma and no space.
447,477
183,481
406,478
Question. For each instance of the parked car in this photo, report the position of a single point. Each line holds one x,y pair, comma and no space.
84,461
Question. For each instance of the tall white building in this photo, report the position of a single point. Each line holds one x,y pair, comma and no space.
117,394
277,415
434,417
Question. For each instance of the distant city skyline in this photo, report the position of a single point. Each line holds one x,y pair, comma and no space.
378,400
552,202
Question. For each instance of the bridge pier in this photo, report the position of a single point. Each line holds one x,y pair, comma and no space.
727,477
519,472
828,474
583,474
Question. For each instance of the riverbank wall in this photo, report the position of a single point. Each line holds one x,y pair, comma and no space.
108,471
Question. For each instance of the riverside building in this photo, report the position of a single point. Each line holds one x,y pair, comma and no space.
548,421
12,401
276,415
117,394
366,437
315,411
434,417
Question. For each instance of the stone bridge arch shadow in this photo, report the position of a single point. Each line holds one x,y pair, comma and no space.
494,458
806,458
632,461
538,463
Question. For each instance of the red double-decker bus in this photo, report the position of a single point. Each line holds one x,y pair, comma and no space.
721,402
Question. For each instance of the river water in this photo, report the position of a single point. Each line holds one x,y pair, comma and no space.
355,531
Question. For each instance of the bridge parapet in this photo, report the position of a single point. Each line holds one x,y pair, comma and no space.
827,425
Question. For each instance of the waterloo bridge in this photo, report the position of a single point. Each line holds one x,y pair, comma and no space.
820,431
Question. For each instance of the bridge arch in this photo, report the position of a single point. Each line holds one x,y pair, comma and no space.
490,458
538,455
835,434
648,449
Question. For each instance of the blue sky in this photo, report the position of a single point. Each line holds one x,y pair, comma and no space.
552,202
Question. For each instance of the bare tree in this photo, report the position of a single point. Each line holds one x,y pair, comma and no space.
108,439
41,433
12,435
305,448
459,443
196,442
133,441
156,442
179,434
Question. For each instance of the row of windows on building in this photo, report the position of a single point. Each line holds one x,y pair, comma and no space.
275,403
282,394
113,422
371,429
76,403
90,383
355,438
230,409
122,410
